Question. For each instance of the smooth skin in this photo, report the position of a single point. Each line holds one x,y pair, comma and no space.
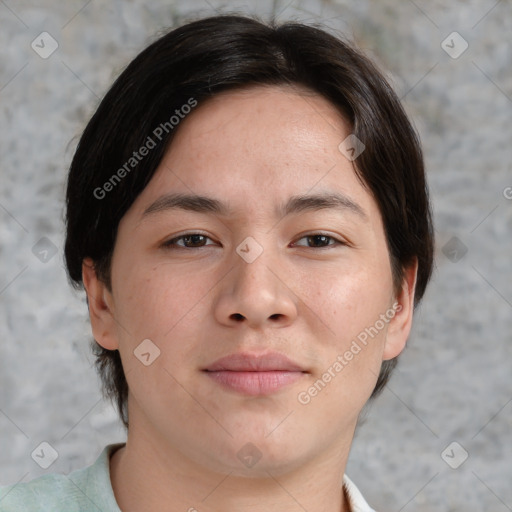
197,300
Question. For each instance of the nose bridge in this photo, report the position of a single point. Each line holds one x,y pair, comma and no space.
253,277
256,293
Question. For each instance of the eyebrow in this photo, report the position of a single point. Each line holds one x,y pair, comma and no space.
295,204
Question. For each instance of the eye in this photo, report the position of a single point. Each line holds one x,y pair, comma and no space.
190,241
320,240
197,240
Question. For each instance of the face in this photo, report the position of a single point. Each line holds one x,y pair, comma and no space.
273,263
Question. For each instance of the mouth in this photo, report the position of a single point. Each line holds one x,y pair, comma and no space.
255,374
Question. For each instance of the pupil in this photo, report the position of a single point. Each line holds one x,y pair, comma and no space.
316,237
194,239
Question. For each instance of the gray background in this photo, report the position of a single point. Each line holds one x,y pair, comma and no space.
454,381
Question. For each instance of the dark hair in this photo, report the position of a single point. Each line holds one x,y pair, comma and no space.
195,62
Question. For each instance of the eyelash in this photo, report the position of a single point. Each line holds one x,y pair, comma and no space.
170,244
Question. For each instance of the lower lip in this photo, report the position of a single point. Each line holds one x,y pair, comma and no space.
255,383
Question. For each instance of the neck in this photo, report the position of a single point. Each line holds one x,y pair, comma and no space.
153,476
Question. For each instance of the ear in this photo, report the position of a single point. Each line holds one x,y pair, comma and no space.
100,301
400,325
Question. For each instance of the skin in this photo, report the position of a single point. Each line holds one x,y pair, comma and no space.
199,301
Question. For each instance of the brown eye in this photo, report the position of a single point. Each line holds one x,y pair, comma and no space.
190,241
320,240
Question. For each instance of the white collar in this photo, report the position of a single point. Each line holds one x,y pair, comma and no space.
356,501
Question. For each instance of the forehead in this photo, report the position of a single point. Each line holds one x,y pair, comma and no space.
256,147
286,117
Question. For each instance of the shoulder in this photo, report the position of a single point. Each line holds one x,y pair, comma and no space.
48,492
356,500
86,489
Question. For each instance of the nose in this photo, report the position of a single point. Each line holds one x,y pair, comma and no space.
258,294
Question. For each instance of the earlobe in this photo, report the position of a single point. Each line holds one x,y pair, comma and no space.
400,325
100,307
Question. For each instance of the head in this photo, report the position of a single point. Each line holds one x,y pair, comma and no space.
253,116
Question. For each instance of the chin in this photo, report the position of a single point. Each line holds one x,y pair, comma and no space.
254,456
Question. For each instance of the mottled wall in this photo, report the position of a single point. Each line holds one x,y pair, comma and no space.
454,381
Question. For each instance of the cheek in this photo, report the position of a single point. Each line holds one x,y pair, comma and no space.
346,299
167,307
350,305
157,301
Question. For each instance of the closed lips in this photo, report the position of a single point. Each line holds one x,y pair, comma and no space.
243,362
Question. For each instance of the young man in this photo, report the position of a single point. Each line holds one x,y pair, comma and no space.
248,214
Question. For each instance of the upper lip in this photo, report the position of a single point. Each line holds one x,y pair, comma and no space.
246,362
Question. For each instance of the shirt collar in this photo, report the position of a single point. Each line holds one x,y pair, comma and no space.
356,501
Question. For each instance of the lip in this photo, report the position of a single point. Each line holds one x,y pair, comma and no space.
254,375
246,362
